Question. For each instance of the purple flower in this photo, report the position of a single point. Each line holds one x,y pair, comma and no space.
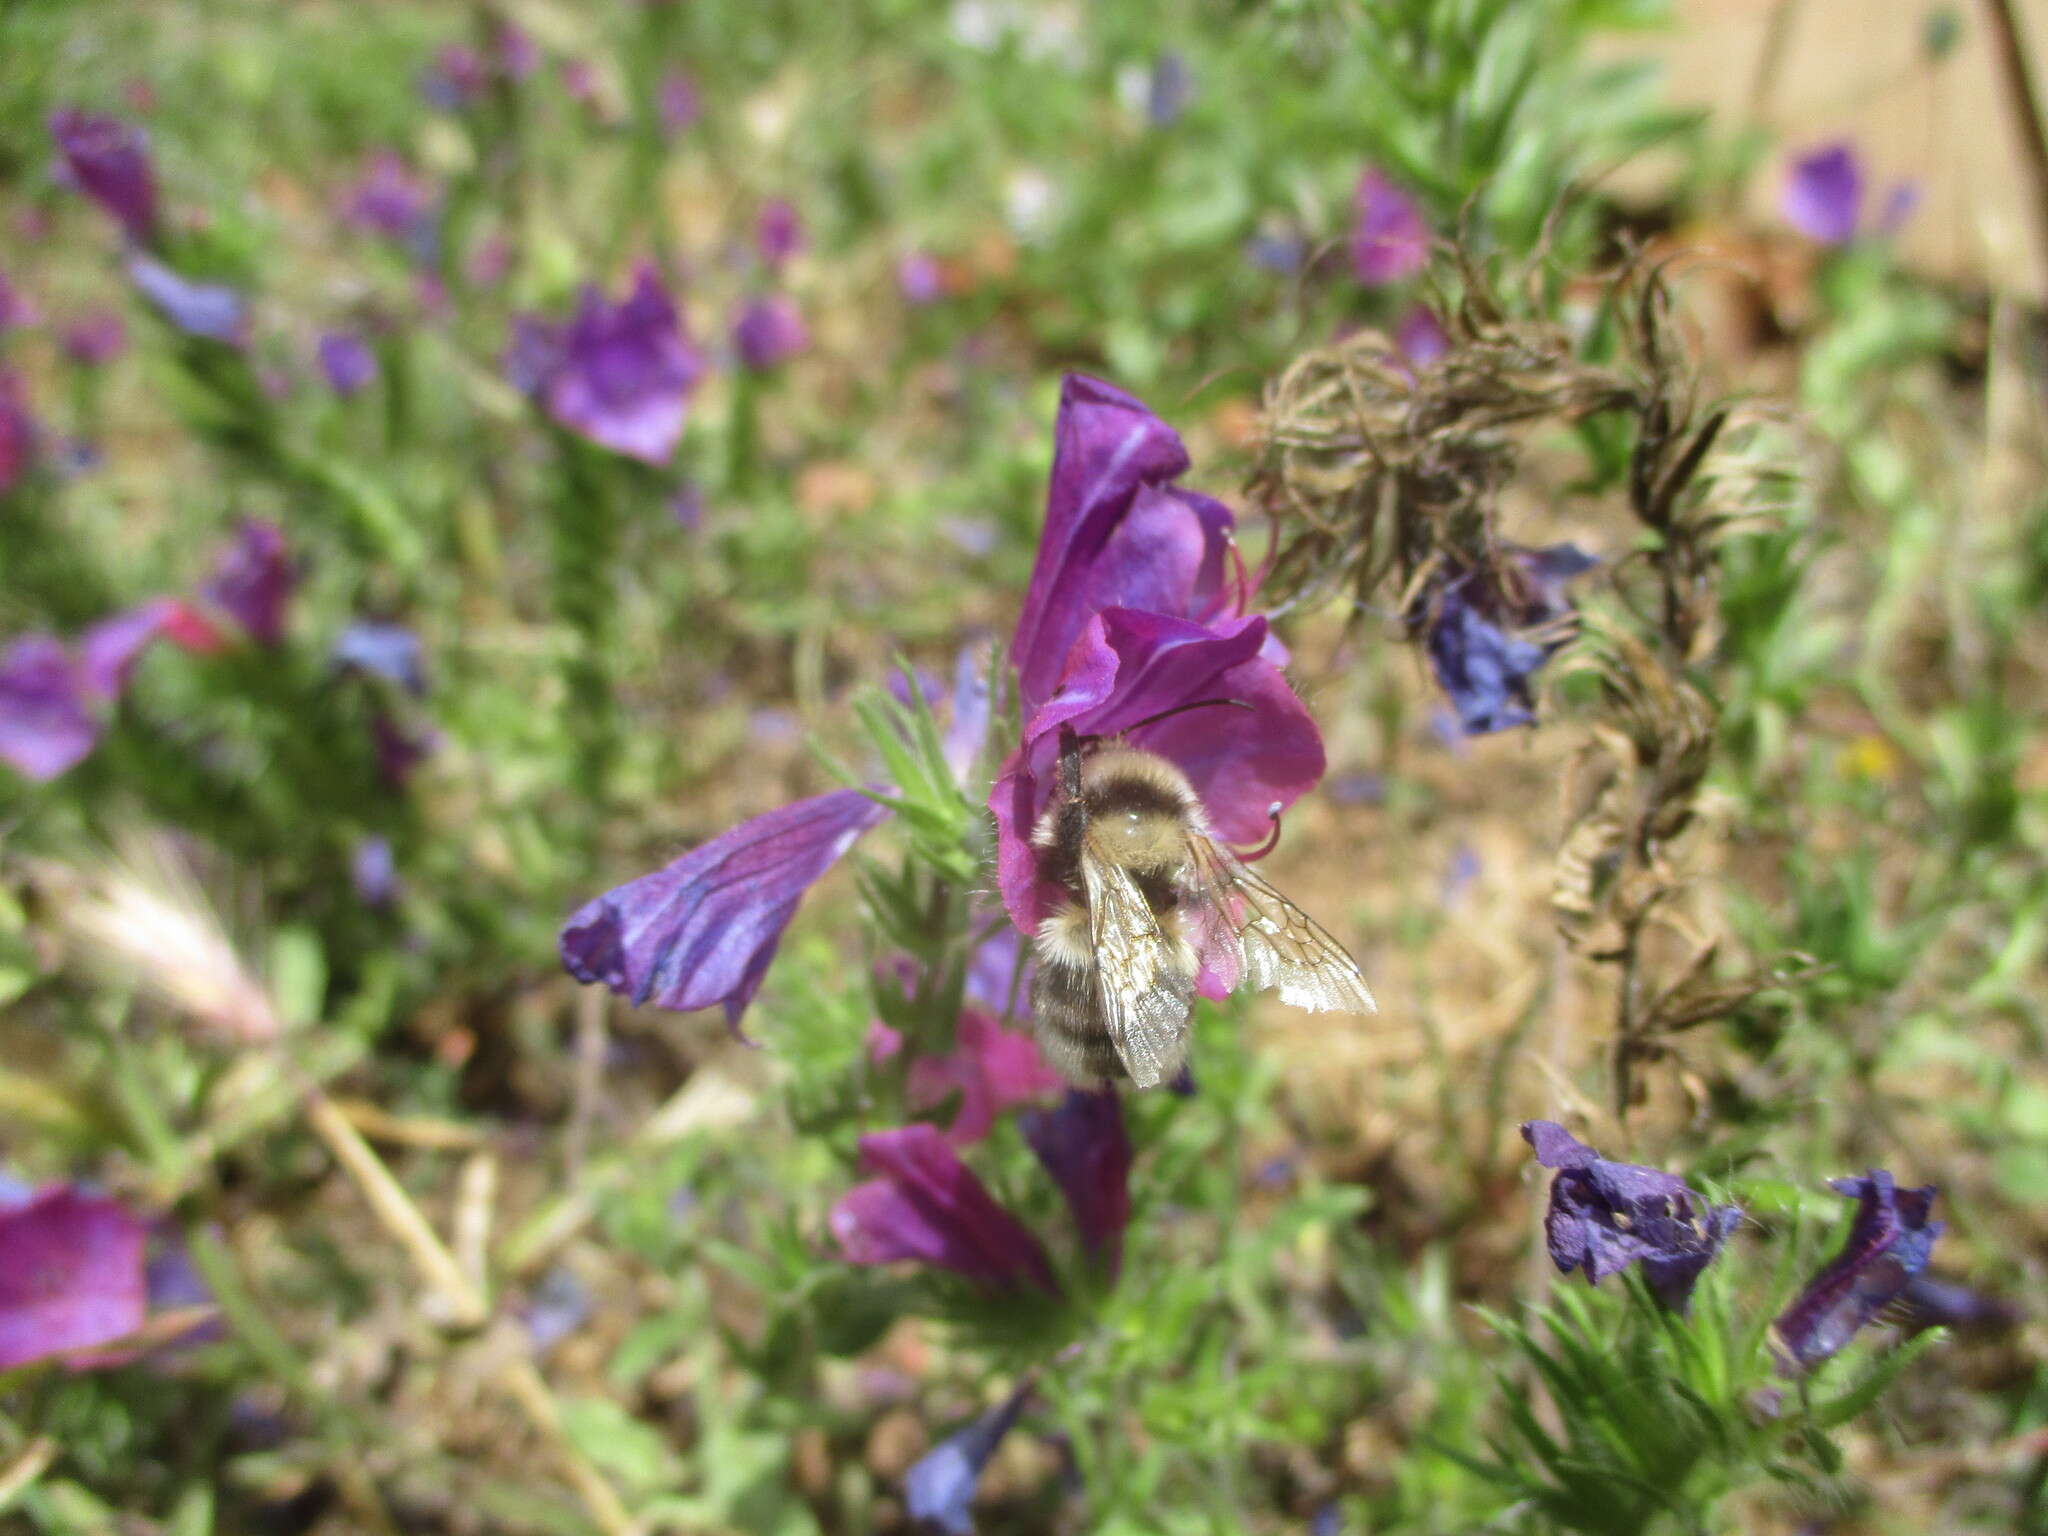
389,200
929,1206
1605,1216
1168,89
778,233
1823,195
1475,626
109,160
518,55
95,339
1084,1147
938,1490
1421,337
17,432
373,870
211,311
579,79
769,332
109,650
347,361
389,651
676,102
621,375
456,78
990,1069
919,278
1930,1302
1888,1244
73,1278
1389,238
252,580
45,727
704,929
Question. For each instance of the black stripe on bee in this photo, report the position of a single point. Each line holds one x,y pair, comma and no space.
1064,1007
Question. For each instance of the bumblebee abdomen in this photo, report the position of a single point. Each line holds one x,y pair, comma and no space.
1065,1010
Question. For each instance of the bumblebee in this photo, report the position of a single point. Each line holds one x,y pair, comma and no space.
1150,893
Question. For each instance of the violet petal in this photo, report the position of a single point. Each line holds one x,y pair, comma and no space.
1888,1244
769,331
990,1068
1823,195
389,651
626,373
1085,1148
939,1488
109,160
211,311
253,580
45,727
1389,237
929,1206
73,1277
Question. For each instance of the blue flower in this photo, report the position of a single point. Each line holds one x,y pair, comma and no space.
1489,633
389,651
211,311
939,1488
1888,1245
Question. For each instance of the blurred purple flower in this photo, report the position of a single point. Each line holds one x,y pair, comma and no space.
347,361
211,311
579,79
676,102
1168,89
109,161
621,375
1085,1148
704,929
1474,626
73,1278
456,78
45,725
1823,195
373,870
517,53
992,970
1888,1245
389,651
938,1490
778,233
389,199
252,581
1930,1302
1605,1216
95,339
109,650
919,278
990,1069
769,332
1421,337
18,434
397,751
1389,237
928,1206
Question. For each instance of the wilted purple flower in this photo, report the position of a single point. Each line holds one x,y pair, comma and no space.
389,651
1420,336
1083,1145
703,930
373,870
389,200
252,580
929,1206
938,1490
1389,237
347,361
73,1277
17,432
456,78
1823,196
919,278
109,160
623,374
1168,89
1475,627
95,339
778,233
211,311
990,1069
45,726
1888,1244
1605,1216
769,332
676,102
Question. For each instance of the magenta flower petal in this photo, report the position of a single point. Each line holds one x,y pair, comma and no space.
779,233
73,1276
95,339
1823,196
929,1206
1389,237
1085,1148
1118,533
1127,666
1420,336
770,331
1888,1245
626,372
211,311
45,727
252,581
919,278
703,930
389,199
109,650
990,1068
109,159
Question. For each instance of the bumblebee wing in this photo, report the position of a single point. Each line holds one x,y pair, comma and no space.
1278,945
1143,981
